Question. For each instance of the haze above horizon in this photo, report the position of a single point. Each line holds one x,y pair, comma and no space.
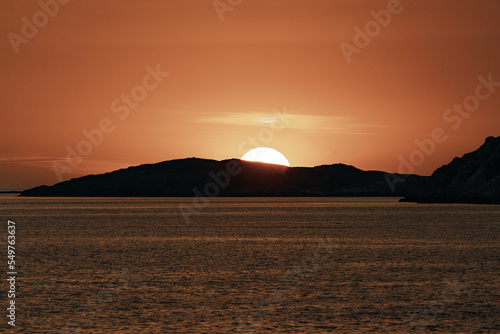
91,87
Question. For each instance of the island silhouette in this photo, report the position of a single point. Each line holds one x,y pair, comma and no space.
474,178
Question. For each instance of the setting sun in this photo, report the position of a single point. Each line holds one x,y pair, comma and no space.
267,155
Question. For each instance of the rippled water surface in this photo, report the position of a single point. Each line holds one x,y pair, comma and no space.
261,265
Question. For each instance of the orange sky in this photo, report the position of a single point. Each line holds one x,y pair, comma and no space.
228,78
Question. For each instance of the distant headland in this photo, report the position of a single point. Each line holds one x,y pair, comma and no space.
473,178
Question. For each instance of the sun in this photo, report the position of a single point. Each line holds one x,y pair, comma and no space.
267,155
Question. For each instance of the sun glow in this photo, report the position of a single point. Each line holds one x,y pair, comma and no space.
267,155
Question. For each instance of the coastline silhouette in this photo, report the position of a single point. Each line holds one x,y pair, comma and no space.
474,178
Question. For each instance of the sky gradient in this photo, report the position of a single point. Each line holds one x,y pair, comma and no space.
148,81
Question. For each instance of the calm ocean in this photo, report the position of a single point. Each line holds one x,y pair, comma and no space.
252,265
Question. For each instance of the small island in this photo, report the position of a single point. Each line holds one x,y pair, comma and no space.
202,177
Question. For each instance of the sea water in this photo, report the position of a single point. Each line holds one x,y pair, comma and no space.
252,265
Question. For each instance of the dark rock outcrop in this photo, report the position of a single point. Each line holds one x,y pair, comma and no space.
197,177
474,178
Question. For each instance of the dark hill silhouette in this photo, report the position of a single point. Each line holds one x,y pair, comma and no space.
474,178
195,177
